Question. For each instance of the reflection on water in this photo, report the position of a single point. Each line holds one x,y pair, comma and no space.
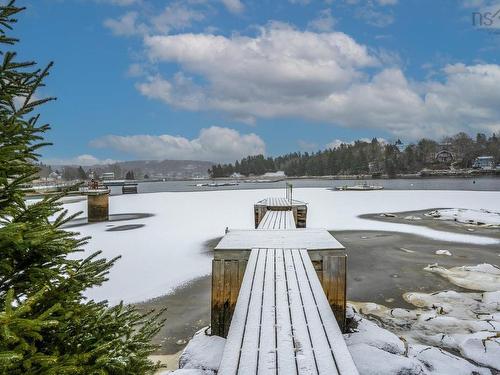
481,183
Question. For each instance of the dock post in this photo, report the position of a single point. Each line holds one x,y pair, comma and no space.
331,268
228,269
98,205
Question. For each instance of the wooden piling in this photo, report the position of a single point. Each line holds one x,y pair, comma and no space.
331,268
228,269
97,205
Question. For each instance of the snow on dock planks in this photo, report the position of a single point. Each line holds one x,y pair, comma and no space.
281,305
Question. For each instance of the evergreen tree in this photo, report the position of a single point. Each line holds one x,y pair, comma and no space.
47,326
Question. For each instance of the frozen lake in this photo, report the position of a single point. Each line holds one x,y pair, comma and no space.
169,249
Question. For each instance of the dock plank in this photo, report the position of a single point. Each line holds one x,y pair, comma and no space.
250,346
267,340
285,342
231,356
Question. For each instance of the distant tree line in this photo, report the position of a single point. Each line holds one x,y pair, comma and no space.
368,157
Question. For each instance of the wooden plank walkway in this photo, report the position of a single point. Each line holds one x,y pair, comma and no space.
282,322
277,220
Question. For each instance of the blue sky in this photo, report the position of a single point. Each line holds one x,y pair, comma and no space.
219,79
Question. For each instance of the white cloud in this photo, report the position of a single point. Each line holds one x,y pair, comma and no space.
126,25
324,22
84,160
234,6
176,16
215,144
285,72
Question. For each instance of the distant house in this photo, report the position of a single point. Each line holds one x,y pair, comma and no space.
236,175
484,162
107,176
444,157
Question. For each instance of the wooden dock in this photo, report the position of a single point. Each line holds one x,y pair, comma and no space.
278,295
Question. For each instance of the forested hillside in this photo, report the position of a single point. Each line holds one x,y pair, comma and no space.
369,157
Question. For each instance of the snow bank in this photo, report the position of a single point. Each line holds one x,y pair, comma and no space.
468,216
169,250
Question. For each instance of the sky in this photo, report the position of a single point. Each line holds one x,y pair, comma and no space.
219,80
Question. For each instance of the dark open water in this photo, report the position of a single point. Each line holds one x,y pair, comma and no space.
481,183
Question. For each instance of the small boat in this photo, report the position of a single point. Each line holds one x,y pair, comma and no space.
363,187
217,184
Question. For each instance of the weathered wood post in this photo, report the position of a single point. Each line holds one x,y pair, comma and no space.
228,268
97,205
331,268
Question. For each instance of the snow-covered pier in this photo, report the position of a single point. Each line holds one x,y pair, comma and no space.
279,295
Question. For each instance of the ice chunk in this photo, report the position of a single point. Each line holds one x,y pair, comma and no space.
443,252
485,277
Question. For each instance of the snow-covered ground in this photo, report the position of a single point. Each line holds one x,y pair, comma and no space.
168,250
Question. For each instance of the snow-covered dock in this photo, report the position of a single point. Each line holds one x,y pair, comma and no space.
279,295
283,323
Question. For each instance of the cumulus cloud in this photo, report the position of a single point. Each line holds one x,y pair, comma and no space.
215,144
84,159
326,77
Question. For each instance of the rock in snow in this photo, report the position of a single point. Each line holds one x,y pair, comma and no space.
202,355
371,334
372,361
